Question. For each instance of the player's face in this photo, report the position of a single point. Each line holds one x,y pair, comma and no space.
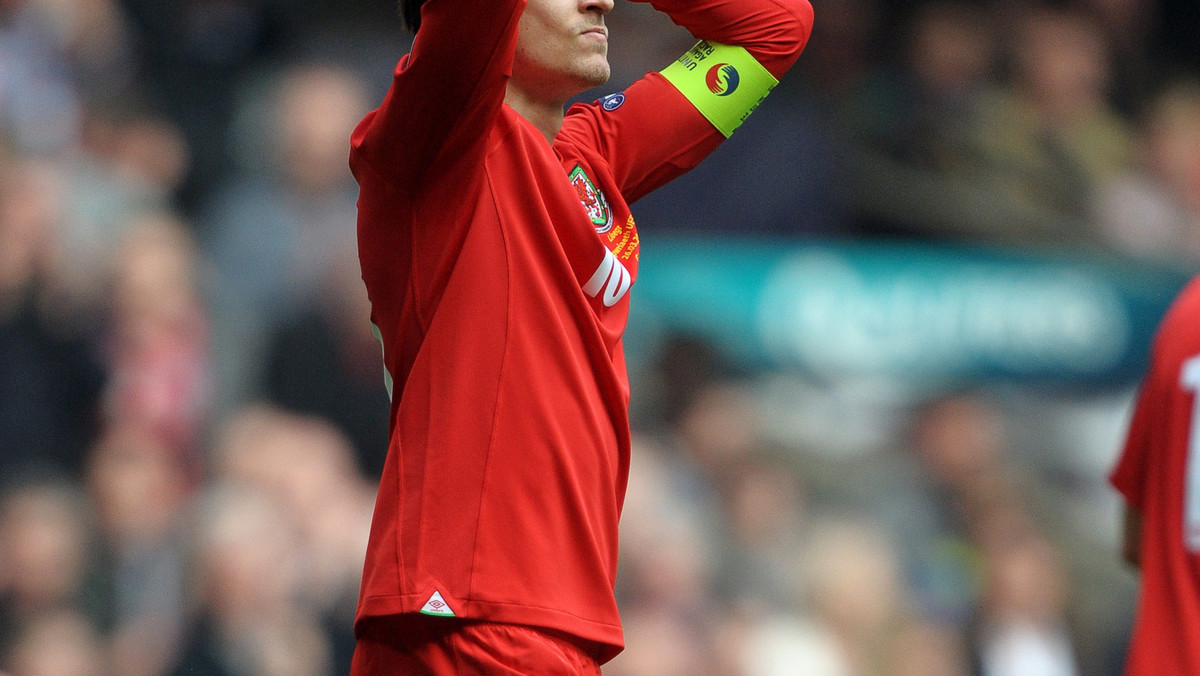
562,47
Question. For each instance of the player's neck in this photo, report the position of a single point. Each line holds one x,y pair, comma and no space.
547,116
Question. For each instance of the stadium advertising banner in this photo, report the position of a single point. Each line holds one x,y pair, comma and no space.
914,311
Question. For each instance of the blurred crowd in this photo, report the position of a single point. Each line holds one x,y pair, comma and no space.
192,409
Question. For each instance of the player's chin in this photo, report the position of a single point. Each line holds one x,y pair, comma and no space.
597,73
599,79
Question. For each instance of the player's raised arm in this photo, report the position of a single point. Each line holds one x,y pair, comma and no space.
666,123
444,92
774,32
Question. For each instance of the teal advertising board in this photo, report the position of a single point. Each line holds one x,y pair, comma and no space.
914,311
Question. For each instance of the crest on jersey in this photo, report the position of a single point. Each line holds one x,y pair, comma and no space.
593,199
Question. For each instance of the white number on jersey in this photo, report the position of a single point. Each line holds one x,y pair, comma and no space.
1189,379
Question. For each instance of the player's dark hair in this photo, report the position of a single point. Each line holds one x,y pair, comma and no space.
410,11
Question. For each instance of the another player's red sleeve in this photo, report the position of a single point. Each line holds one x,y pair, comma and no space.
1129,475
444,93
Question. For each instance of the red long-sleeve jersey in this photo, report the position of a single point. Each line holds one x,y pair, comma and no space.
1159,476
498,267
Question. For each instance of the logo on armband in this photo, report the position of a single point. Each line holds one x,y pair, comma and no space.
722,79
725,83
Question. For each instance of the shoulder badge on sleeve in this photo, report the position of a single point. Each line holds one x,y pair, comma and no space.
612,101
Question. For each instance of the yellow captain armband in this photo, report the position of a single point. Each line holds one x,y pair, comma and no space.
724,82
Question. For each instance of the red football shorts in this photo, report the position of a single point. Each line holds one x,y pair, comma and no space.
450,647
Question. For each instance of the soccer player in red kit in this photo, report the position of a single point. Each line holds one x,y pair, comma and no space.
1159,476
498,251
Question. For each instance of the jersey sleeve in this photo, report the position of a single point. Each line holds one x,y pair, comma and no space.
1151,438
1129,474
773,31
652,132
443,93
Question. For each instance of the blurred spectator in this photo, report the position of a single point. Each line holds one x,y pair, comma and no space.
124,165
664,645
669,565
92,37
914,123
1048,138
844,49
981,492
1021,607
719,432
765,509
58,642
665,577
1023,627
926,649
929,494
129,164
919,114
1129,30
961,443
160,378
775,644
249,621
274,231
50,375
682,366
45,554
308,468
325,362
192,56
1154,210
40,108
858,591
140,490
